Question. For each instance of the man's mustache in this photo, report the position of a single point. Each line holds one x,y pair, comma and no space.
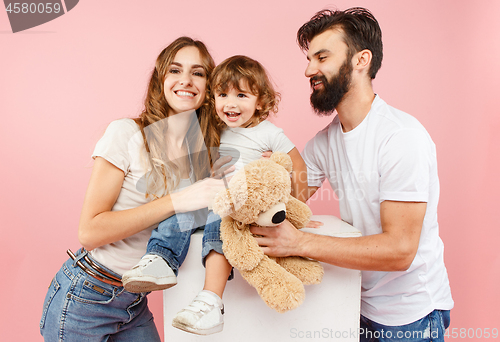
315,79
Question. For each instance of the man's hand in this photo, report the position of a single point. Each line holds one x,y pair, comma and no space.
280,241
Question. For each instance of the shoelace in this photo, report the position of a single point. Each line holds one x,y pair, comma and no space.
146,260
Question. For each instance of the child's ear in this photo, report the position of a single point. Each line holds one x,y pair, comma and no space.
258,105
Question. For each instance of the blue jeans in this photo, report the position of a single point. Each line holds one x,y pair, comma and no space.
430,328
78,308
172,237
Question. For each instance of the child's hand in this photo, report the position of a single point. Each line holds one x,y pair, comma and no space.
219,169
314,224
267,154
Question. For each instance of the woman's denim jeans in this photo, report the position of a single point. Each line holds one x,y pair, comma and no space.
78,308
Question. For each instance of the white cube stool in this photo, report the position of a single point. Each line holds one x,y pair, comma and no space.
330,310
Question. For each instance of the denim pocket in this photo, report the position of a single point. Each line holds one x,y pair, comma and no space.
92,292
53,288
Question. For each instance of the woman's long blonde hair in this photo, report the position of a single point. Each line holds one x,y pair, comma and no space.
165,175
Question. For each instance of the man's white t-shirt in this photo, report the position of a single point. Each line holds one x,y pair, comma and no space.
388,156
247,144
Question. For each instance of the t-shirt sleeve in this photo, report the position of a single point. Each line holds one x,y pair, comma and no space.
114,144
280,142
405,164
314,159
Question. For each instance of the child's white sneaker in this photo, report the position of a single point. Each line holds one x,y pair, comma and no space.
203,316
152,273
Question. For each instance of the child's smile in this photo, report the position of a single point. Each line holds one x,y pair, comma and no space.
236,108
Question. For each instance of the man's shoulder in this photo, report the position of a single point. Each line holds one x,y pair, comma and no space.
394,119
327,131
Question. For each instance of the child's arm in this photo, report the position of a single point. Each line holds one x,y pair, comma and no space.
299,176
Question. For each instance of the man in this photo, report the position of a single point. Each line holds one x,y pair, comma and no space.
381,163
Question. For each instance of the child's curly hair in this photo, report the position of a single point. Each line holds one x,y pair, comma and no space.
230,72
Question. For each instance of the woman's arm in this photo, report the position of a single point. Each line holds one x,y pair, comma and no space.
299,176
100,226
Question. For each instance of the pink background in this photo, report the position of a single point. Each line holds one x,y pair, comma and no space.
62,83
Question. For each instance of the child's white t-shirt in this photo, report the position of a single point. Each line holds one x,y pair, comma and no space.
388,156
247,144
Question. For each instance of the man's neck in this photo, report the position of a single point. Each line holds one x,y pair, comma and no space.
354,107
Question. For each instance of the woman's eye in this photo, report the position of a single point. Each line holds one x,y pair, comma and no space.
174,71
199,73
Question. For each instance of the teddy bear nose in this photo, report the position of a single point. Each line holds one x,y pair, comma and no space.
279,217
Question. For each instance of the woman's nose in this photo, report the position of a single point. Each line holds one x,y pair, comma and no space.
185,80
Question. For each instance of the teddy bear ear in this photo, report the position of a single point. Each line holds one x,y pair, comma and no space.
222,204
282,159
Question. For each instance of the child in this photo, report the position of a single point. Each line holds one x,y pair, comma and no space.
243,98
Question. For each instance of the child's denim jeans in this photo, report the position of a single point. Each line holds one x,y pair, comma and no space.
172,237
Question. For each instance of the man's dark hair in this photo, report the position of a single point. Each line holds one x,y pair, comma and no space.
361,31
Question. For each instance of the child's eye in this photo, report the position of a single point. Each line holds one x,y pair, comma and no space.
222,95
242,95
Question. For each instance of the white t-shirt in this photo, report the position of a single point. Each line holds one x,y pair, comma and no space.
388,156
247,144
123,146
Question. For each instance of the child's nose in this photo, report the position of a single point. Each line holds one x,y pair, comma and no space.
230,105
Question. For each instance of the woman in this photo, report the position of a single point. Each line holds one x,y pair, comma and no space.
139,164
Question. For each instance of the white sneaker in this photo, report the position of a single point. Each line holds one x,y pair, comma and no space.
152,273
203,316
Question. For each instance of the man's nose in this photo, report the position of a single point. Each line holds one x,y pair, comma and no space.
311,70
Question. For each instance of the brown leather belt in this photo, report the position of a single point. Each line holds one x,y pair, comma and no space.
95,270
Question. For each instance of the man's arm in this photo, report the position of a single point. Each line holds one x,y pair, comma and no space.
392,250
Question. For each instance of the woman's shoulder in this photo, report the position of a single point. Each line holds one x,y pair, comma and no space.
125,124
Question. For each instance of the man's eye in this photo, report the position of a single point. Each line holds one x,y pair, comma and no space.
322,58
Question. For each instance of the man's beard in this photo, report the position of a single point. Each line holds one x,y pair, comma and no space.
325,100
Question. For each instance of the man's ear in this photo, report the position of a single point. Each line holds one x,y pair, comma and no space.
362,60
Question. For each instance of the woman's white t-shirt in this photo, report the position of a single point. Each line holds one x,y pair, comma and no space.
123,146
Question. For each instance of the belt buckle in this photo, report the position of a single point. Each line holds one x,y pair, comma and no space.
91,272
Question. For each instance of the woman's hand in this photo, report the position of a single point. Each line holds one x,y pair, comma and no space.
196,196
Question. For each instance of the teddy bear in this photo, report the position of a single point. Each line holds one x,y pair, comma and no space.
259,194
